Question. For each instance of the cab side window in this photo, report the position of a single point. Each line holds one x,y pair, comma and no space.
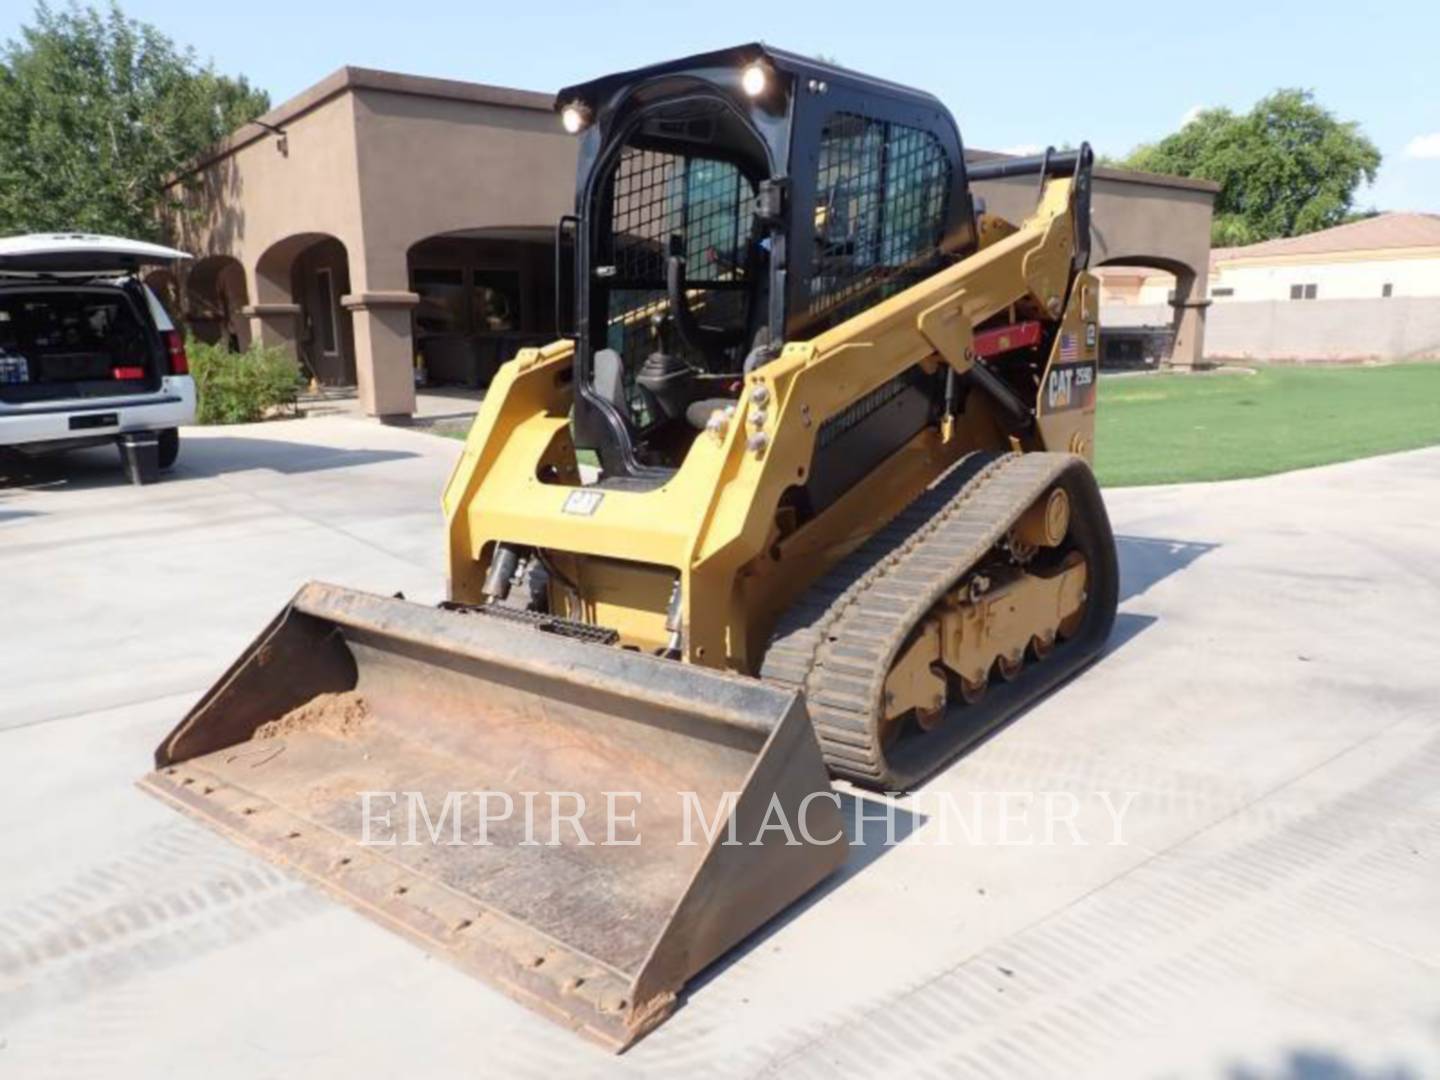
880,199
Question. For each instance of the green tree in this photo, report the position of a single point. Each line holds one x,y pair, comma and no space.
1286,167
96,110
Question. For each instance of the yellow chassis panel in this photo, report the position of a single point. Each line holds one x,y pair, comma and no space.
714,522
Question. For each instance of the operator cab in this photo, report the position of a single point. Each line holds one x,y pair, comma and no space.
726,203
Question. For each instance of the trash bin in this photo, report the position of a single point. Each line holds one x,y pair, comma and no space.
140,454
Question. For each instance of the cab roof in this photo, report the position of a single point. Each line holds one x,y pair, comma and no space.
597,91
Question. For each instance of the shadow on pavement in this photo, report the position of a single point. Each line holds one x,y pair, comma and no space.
1146,560
96,467
1317,1064
1127,626
225,454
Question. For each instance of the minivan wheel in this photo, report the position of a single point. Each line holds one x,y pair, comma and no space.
169,446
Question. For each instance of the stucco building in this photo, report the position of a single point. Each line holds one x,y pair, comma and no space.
1143,227
1369,289
379,219
1390,255
375,216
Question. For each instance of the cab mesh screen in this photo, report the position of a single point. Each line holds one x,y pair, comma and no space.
657,196
705,206
880,198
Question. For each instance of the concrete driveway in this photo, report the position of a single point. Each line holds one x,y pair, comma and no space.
1269,716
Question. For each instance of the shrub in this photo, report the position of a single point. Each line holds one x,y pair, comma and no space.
239,388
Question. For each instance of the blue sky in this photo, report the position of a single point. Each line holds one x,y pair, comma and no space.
1113,73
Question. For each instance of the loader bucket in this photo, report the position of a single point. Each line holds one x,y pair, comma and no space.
348,693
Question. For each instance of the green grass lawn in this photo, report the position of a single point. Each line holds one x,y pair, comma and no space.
1166,429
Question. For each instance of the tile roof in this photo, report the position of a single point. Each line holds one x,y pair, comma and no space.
1394,230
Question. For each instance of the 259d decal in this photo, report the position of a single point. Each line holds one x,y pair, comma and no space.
1069,386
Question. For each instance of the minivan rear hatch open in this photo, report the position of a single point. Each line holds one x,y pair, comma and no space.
79,254
73,323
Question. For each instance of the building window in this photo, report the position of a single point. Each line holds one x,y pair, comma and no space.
495,301
489,304
1302,292
325,312
1387,290
1222,291
442,307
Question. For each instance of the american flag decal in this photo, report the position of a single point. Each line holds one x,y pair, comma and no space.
1069,347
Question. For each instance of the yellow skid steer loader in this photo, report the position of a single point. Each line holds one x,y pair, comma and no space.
802,491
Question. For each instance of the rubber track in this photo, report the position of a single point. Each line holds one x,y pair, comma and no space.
838,642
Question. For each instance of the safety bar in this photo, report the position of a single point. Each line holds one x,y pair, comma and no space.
1050,163
1078,164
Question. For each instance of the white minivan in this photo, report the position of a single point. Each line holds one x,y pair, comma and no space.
88,355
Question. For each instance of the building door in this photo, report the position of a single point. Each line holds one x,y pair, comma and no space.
325,340
326,336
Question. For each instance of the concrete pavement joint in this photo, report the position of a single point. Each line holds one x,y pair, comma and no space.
770,1068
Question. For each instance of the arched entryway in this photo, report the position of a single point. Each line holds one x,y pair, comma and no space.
166,287
484,295
213,298
1138,220
1151,311
299,283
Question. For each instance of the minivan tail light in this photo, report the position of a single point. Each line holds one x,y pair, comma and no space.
135,372
175,346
